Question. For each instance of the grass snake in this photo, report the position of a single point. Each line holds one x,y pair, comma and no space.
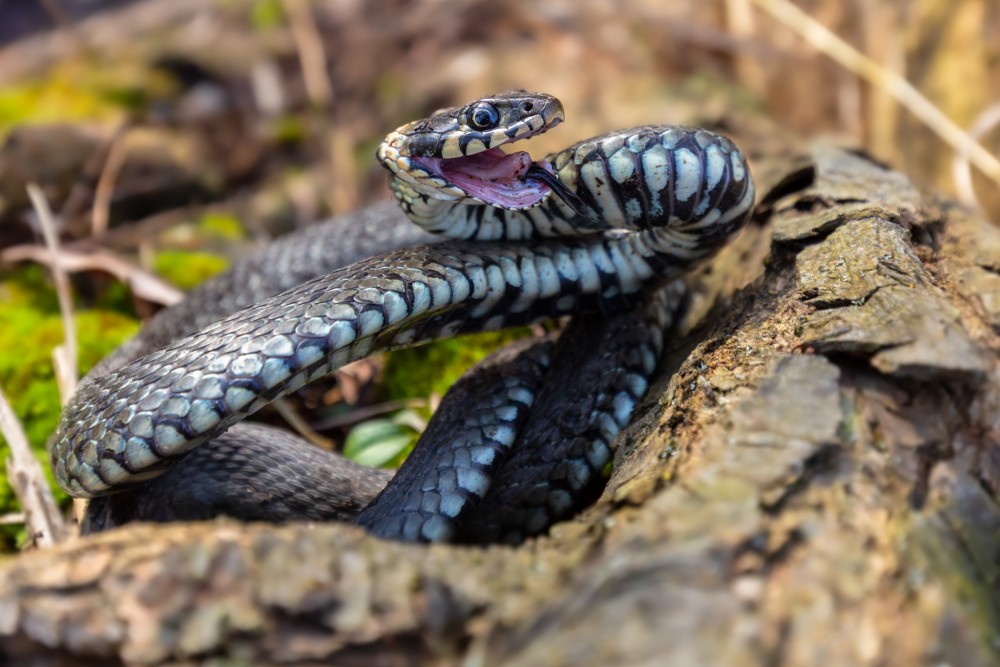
523,439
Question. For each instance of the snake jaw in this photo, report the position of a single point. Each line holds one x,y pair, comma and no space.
454,155
492,177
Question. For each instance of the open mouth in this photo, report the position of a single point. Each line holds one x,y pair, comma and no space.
511,181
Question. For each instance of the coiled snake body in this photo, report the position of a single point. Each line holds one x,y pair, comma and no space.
591,229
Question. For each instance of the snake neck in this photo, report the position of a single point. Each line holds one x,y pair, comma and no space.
683,190
451,176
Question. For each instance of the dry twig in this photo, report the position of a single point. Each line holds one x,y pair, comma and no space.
740,22
312,55
41,516
960,171
100,212
143,284
825,41
288,412
64,356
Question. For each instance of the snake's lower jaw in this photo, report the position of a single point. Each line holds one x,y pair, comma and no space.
515,207
490,177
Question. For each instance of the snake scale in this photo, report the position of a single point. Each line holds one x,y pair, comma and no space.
524,439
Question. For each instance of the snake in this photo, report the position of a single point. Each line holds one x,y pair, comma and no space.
598,231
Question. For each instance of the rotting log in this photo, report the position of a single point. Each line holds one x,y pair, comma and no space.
813,481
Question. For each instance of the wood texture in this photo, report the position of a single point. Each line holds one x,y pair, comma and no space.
813,481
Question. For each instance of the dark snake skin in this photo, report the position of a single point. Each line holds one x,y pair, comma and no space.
511,450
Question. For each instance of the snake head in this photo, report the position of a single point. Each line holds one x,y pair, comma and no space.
455,155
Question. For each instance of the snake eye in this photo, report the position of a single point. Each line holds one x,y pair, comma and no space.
484,116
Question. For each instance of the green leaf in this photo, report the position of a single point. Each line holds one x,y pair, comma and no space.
188,269
379,443
411,419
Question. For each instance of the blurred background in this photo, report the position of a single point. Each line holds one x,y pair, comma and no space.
170,137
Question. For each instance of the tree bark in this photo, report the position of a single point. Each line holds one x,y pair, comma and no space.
812,481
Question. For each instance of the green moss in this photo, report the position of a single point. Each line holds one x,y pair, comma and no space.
221,226
266,14
288,129
30,285
81,90
187,269
432,369
30,327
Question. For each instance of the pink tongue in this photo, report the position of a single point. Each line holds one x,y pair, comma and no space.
496,178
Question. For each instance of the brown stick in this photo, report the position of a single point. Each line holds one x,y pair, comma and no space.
41,515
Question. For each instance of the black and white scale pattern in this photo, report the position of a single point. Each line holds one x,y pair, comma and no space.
468,440
565,447
660,199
